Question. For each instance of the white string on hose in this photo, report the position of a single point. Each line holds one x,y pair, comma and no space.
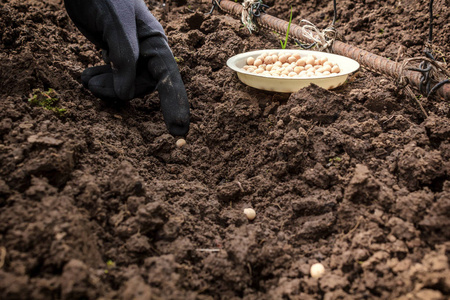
323,39
247,18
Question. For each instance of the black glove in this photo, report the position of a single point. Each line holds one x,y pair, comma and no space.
138,57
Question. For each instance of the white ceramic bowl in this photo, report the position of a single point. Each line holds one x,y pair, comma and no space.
289,84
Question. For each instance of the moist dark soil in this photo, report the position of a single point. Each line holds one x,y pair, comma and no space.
99,203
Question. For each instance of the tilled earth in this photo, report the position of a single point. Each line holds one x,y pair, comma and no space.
99,203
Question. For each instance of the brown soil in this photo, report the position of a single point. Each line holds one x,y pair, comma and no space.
100,203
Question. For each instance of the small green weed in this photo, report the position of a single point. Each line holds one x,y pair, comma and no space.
178,59
48,100
335,159
283,45
109,266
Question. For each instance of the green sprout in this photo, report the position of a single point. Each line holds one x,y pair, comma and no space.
335,159
109,265
178,59
283,45
47,100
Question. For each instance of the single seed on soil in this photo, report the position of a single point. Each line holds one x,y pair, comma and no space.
250,213
180,143
317,270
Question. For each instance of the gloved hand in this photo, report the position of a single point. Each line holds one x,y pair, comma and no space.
138,57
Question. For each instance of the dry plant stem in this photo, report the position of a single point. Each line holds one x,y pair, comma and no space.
369,60
240,186
358,222
413,96
2,256
208,250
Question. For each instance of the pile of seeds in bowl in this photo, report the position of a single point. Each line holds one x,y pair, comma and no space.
285,64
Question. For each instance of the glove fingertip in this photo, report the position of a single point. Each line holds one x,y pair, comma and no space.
178,128
124,87
125,94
